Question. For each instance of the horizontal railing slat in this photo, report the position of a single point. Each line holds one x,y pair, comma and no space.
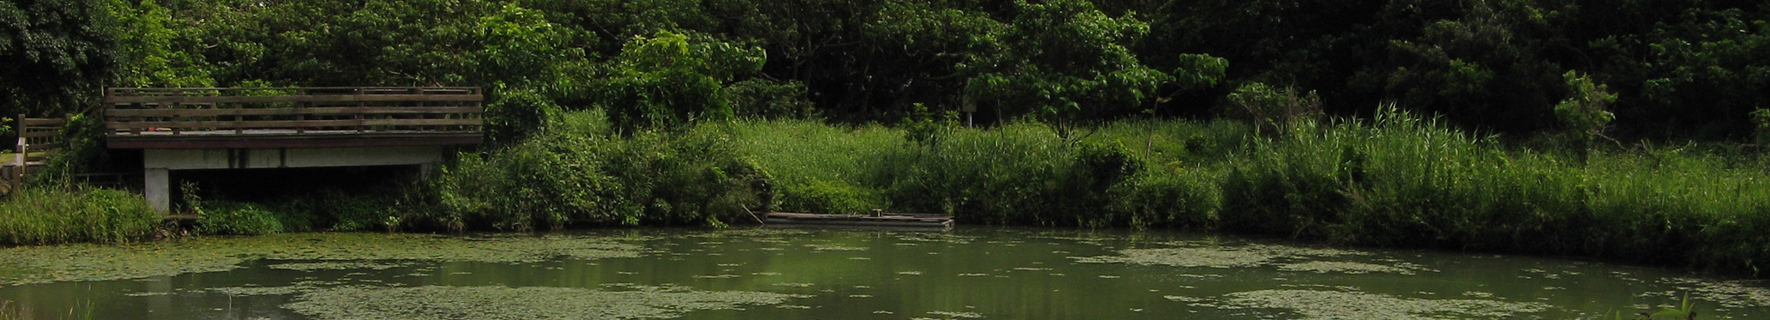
113,113
31,122
41,134
289,124
284,91
115,99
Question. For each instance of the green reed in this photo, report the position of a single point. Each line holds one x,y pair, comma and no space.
53,215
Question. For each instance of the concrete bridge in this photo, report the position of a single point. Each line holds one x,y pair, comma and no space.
247,128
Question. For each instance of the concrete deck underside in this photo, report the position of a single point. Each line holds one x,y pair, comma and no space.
157,164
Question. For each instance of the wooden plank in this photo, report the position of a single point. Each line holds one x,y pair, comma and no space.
119,100
230,125
33,122
268,124
41,134
423,122
299,142
334,90
114,113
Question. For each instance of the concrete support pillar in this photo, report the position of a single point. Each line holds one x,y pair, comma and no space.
425,170
158,189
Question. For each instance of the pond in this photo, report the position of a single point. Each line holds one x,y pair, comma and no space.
774,273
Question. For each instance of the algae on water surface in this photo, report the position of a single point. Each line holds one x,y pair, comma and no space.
90,262
1346,305
443,302
1352,267
311,266
1213,255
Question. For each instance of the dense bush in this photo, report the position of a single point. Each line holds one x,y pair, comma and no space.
580,174
50,215
237,218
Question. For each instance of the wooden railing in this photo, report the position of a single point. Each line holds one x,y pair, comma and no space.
38,139
134,117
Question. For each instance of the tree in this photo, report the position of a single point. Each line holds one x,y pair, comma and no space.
1585,111
1698,75
58,53
1064,62
1482,66
148,49
672,79
1315,45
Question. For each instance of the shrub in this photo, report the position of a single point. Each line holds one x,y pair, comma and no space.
1271,110
1176,198
828,196
515,115
562,177
236,218
1761,121
1585,111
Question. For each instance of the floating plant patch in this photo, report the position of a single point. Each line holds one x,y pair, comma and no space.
957,314
1352,267
333,265
260,291
444,302
820,247
1211,255
935,238
1351,305
1731,294
92,262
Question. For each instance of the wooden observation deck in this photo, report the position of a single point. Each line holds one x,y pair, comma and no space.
195,118
239,128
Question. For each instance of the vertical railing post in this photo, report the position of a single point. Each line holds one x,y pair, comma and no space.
422,96
300,112
23,147
239,109
177,103
360,106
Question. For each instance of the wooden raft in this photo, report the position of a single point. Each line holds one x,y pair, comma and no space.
878,220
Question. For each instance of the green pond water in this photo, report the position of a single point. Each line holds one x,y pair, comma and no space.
772,273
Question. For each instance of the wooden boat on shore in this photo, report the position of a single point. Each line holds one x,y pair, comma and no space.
877,219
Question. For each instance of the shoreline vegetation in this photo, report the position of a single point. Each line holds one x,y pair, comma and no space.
1393,181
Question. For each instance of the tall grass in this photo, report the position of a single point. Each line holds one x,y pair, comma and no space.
1019,173
1664,206
1402,181
1394,180
816,167
45,215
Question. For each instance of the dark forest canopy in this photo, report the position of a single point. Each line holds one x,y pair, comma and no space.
1678,68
